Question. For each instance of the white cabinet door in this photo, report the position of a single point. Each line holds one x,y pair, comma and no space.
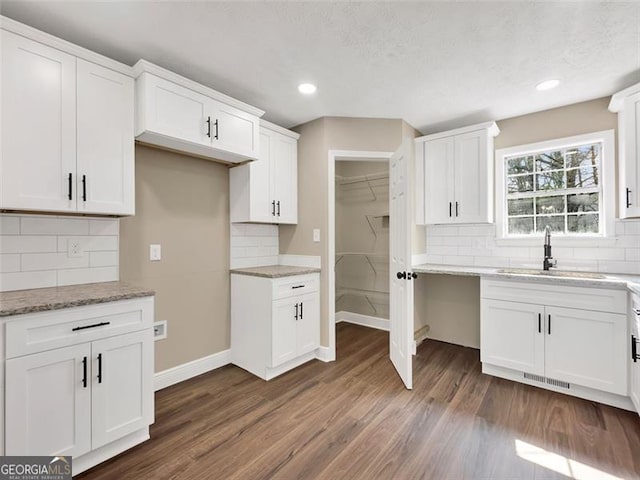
285,168
122,384
308,325
262,202
48,403
38,161
585,347
512,336
105,164
234,131
175,111
439,181
630,159
284,330
471,204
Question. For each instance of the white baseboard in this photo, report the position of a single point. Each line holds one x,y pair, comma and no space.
188,370
311,261
325,354
364,320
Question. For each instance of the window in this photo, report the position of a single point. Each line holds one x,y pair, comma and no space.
563,184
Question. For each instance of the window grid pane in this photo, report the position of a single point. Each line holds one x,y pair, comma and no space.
562,184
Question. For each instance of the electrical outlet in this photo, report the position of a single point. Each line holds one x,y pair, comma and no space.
316,235
160,330
74,248
155,253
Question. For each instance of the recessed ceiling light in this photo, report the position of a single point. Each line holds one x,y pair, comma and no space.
547,85
307,88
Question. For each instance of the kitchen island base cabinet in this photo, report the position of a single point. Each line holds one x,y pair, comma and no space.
279,327
92,398
553,343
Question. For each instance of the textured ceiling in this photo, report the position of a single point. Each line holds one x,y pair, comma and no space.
435,64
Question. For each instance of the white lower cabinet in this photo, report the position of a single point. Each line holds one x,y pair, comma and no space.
88,399
279,328
634,365
552,342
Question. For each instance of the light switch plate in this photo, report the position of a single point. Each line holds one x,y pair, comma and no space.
316,235
155,253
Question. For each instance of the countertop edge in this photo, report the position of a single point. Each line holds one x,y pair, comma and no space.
288,271
611,281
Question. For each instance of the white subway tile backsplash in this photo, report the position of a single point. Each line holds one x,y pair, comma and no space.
27,243
9,225
103,259
104,227
53,226
25,280
254,245
477,245
90,243
9,262
87,275
52,261
33,251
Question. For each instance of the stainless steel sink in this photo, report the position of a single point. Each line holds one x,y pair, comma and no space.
552,273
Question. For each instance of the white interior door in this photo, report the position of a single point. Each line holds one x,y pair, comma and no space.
400,283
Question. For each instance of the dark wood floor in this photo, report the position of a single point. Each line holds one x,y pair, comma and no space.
352,419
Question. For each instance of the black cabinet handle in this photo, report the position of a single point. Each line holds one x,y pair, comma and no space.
628,200
297,286
450,205
209,127
216,124
99,368
456,209
70,179
634,349
84,372
301,312
278,207
539,323
101,324
401,275
273,208
296,315
549,326
84,188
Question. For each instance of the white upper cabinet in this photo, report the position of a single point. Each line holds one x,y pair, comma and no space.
176,113
627,105
458,176
266,191
38,126
105,165
67,127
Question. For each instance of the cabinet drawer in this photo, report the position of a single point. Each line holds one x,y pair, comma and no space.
32,333
585,298
298,285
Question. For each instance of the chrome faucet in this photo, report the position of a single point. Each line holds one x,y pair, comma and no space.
548,259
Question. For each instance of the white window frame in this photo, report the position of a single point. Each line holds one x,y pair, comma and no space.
607,173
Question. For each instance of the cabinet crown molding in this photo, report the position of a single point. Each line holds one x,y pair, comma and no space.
617,99
278,129
491,127
62,45
143,66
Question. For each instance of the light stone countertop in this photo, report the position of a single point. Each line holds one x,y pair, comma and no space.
55,298
620,281
274,271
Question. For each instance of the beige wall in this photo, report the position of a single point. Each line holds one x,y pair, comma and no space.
182,203
317,138
450,305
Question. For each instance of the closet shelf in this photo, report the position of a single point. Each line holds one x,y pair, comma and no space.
366,256
363,179
368,295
